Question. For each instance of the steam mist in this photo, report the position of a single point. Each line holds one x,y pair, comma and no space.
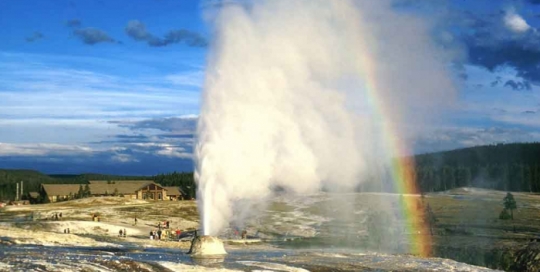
296,93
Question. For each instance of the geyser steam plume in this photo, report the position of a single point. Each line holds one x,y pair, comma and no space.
297,94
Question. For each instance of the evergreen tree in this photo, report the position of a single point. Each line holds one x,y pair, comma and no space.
80,194
510,204
86,191
504,215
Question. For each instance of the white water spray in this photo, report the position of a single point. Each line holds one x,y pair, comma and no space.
287,104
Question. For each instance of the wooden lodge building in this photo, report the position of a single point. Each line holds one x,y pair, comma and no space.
133,189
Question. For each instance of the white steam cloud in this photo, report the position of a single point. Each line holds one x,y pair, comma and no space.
296,94
515,22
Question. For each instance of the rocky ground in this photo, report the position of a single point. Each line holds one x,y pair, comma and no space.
324,232
35,224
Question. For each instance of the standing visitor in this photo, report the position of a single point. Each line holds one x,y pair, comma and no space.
178,232
159,234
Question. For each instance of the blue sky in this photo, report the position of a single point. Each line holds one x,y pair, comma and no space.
114,86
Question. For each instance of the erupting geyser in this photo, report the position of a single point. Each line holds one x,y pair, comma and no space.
300,95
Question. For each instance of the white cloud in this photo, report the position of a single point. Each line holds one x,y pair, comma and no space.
532,120
515,22
164,149
458,137
194,79
126,153
494,103
123,158
43,149
30,89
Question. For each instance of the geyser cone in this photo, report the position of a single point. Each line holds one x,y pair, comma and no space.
207,246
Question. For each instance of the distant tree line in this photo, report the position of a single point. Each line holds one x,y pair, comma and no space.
33,180
507,167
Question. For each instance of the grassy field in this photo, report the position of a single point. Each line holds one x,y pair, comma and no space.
475,213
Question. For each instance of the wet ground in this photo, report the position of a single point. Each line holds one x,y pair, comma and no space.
46,258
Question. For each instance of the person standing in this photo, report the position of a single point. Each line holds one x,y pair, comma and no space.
159,234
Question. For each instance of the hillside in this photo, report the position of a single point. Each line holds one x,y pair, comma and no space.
509,167
32,180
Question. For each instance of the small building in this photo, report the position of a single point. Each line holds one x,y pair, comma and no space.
175,193
33,197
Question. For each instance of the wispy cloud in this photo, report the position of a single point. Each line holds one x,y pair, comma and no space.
183,124
89,35
194,79
42,149
36,91
92,36
138,32
458,137
35,37
85,120
75,23
132,160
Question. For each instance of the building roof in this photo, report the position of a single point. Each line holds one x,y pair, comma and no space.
173,191
118,181
123,188
60,189
98,188
33,194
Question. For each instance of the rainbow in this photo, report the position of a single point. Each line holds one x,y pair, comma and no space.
402,172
